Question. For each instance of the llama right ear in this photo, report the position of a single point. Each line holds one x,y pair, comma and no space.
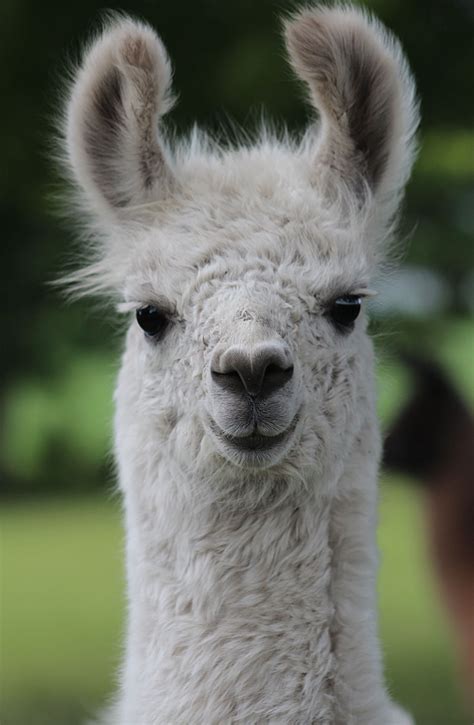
361,86
111,127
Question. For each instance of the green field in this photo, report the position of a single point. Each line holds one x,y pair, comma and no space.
63,611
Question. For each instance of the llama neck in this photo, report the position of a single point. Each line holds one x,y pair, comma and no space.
257,617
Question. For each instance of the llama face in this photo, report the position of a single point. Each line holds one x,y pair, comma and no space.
244,266
252,361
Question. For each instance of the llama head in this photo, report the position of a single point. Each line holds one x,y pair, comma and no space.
243,268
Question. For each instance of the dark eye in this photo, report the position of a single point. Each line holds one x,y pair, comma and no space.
345,310
153,321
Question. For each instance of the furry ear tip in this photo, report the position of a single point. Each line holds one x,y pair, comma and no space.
134,50
129,42
139,46
313,37
297,21
141,50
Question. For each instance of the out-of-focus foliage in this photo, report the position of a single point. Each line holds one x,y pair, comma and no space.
229,63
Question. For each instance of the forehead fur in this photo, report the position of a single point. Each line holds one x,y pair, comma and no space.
234,205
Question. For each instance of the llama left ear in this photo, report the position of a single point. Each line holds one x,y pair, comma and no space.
111,134
361,85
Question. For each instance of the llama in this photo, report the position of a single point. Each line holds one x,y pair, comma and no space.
245,431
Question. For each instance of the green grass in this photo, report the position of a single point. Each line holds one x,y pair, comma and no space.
63,611
62,608
419,654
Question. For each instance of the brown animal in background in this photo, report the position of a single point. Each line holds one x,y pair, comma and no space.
433,440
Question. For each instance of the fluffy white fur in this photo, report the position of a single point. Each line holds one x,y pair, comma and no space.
251,575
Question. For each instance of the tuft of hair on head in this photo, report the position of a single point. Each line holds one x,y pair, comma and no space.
112,147
360,84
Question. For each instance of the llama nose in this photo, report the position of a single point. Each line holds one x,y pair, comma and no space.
257,372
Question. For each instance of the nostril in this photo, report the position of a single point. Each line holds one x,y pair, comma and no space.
239,377
275,377
230,381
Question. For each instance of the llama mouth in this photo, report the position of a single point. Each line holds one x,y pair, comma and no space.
254,442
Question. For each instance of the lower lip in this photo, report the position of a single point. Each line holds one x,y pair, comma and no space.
253,443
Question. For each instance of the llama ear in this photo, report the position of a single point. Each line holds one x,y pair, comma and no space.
111,126
361,85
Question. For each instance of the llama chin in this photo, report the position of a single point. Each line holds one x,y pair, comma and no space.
246,435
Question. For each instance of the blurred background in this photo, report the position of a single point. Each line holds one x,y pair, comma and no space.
62,543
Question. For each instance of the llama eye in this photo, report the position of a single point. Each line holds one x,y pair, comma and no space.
153,321
345,310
